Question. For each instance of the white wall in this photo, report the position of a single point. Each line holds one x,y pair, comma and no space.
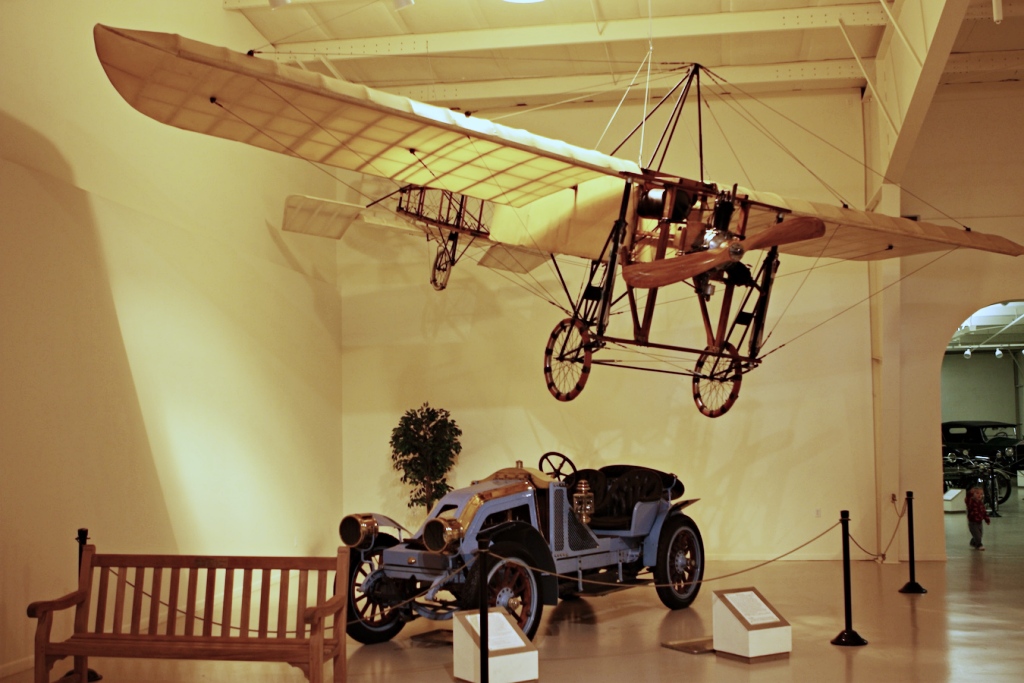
169,361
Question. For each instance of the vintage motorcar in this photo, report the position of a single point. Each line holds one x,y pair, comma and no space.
998,441
552,532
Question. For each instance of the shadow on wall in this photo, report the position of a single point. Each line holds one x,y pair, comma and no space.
73,445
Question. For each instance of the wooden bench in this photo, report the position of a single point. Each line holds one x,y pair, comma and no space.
272,609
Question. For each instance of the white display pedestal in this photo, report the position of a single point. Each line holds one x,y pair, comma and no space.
747,627
512,657
953,501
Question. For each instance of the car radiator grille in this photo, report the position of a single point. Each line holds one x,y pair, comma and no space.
567,524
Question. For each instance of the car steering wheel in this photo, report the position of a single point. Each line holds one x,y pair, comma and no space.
556,466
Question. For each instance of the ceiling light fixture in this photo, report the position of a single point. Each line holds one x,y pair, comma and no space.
999,353
274,4
967,353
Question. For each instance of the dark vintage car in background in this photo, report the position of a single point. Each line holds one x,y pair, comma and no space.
998,441
981,452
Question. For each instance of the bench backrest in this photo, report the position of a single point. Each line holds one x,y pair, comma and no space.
211,596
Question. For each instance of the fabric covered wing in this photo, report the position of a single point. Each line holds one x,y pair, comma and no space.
226,94
867,236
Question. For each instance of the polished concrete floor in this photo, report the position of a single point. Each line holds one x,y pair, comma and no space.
966,628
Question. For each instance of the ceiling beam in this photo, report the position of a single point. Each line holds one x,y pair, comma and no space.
906,78
836,73
521,37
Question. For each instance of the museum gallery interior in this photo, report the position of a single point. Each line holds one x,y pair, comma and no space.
578,295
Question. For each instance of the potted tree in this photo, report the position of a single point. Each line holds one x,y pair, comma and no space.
424,446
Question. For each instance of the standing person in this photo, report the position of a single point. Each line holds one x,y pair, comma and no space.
976,514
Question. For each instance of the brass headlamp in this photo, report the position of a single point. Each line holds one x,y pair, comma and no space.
358,531
583,501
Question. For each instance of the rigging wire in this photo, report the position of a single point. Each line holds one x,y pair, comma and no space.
858,303
747,116
883,176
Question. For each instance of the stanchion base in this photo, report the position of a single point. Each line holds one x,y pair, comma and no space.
93,676
849,638
914,587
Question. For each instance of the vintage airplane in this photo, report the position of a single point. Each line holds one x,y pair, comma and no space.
527,197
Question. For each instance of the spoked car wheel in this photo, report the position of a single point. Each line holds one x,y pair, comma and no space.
680,564
716,381
369,619
556,466
1002,487
510,584
567,359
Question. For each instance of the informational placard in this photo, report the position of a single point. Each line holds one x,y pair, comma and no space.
511,658
751,607
500,633
747,627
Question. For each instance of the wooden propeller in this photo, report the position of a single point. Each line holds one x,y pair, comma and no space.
669,271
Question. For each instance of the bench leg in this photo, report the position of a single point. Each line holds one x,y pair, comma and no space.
340,664
82,669
41,672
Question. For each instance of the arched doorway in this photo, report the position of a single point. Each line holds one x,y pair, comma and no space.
982,403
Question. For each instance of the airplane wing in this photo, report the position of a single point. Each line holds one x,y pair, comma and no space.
213,90
573,193
332,219
856,235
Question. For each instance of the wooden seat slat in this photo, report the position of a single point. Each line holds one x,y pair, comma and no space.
122,584
264,603
246,602
282,605
101,601
300,606
137,593
209,597
225,616
154,601
190,601
172,601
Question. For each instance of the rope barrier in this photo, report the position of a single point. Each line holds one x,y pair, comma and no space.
386,610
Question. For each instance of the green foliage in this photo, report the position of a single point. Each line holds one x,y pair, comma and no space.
424,446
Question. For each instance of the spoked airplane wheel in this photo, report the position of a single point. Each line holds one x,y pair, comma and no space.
717,380
567,359
442,268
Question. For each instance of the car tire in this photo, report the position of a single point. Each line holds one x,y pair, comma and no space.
511,583
679,568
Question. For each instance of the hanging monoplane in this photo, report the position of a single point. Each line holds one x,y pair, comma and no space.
528,196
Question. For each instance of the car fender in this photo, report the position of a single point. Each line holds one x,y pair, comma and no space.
534,543
651,542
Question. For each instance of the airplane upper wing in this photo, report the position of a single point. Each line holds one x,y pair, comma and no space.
213,90
216,91
856,235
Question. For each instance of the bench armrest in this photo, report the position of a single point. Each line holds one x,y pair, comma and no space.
322,611
38,610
